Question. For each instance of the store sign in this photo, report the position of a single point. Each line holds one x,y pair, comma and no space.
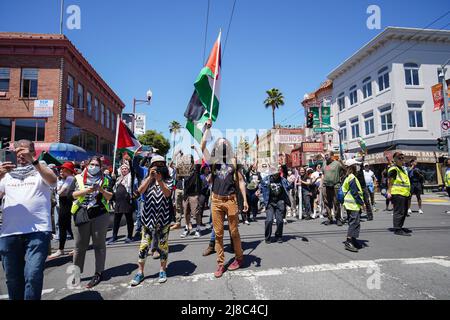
70,113
289,138
43,108
312,147
420,156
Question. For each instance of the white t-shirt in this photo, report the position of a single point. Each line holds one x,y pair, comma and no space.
27,205
368,176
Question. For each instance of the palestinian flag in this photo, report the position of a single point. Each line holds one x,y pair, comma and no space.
126,141
204,103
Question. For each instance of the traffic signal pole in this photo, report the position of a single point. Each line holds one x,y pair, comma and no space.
445,95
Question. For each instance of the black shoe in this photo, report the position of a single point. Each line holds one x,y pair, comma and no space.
406,230
350,246
280,240
267,241
96,279
339,223
401,232
327,222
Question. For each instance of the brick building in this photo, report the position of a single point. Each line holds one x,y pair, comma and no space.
50,93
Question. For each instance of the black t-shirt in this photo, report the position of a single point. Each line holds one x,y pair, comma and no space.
223,176
193,183
415,176
122,200
275,190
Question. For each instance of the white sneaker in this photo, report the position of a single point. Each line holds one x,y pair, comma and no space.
57,254
197,234
246,222
284,221
420,211
409,211
185,233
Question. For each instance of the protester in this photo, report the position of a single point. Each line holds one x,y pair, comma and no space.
447,179
399,192
417,179
179,193
316,178
360,175
333,173
353,202
65,204
226,180
203,198
253,178
370,180
304,180
292,194
26,226
156,216
275,190
123,203
384,187
191,192
91,192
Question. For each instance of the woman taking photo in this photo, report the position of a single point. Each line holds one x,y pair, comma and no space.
91,192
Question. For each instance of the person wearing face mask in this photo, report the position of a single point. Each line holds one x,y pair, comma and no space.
275,190
91,192
399,190
25,234
226,180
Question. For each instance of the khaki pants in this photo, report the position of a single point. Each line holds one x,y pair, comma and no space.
220,208
191,206
178,205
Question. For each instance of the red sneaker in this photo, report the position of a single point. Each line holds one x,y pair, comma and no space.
220,271
237,263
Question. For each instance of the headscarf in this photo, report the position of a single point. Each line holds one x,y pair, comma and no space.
124,180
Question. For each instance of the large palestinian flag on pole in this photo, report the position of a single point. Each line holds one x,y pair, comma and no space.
204,103
126,141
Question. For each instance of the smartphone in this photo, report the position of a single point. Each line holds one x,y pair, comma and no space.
8,156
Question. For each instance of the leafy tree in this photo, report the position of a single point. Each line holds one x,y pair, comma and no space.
156,140
174,127
274,100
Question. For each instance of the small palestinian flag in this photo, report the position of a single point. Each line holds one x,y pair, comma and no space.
126,141
204,103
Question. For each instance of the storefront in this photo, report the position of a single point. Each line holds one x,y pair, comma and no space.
427,163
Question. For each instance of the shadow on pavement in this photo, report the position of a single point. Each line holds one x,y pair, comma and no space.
57,262
85,295
118,271
181,268
250,260
176,248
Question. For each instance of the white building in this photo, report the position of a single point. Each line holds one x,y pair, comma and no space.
382,93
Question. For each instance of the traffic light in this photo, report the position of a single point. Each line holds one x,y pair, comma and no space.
310,119
442,144
4,143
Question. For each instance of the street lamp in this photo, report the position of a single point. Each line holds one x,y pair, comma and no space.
136,102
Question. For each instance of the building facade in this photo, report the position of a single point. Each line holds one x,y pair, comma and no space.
50,93
382,94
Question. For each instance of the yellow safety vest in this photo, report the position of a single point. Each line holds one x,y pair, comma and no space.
401,184
77,202
447,178
349,201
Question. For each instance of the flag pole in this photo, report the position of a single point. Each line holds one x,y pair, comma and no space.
115,143
215,75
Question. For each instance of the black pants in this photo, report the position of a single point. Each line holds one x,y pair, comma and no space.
448,191
306,198
366,195
400,204
130,223
202,201
331,202
277,210
354,225
252,203
64,221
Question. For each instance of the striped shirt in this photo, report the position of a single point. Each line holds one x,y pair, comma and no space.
156,206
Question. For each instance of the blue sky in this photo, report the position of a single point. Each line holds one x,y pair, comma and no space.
288,44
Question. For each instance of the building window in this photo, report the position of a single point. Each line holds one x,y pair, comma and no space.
102,114
106,147
341,101
29,86
108,119
369,124
113,121
70,90
96,109
367,88
353,95
89,142
411,74
4,79
354,124
386,118
30,129
5,128
343,131
383,79
80,93
89,103
415,115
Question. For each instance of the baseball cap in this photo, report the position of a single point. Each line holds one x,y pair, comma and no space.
157,158
351,162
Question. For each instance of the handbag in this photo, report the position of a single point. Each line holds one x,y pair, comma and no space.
81,217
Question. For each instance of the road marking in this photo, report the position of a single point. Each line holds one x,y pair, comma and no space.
45,291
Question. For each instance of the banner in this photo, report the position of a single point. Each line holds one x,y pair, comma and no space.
43,108
326,113
316,118
312,147
438,98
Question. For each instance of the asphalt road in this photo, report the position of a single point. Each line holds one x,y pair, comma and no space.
311,263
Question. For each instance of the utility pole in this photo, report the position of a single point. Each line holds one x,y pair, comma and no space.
445,96
61,18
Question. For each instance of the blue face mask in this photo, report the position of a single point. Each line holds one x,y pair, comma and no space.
93,170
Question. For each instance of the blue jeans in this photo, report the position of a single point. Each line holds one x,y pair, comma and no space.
140,207
23,260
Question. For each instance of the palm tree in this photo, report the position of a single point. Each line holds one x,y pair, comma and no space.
174,127
274,99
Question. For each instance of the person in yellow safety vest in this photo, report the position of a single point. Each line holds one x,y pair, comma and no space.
447,180
399,190
353,202
91,192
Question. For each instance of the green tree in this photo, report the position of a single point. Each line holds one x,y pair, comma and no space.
156,140
174,128
274,100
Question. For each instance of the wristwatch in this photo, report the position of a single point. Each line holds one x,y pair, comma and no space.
35,162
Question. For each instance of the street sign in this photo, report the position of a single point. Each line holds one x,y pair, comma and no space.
323,129
445,128
316,119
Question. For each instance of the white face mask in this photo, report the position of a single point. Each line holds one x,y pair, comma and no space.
93,170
